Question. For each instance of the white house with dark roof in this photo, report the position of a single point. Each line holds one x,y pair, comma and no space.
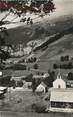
41,88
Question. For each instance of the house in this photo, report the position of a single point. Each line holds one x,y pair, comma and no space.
59,83
45,75
27,84
61,100
21,75
41,88
3,89
18,75
0,73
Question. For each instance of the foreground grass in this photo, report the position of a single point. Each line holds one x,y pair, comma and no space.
18,101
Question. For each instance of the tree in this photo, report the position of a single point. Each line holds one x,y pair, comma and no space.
33,85
5,81
20,83
35,66
67,58
62,58
49,80
12,83
70,66
55,66
3,54
70,76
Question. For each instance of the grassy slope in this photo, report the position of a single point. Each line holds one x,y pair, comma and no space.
41,31
38,31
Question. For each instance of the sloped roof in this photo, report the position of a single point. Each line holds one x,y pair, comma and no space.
38,76
7,72
43,84
2,88
40,87
62,95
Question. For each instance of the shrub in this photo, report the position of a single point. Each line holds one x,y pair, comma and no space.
39,107
20,83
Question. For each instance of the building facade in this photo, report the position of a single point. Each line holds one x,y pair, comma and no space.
61,100
59,82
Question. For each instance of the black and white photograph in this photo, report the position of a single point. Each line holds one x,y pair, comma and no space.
36,58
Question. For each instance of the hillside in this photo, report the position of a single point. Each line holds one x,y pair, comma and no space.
39,30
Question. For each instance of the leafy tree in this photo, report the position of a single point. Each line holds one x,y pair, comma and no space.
35,66
33,85
12,83
5,81
3,54
49,80
70,76
20,83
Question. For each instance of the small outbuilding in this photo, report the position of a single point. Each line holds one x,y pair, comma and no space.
41,88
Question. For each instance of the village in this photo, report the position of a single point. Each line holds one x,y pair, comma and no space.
36,58
52,88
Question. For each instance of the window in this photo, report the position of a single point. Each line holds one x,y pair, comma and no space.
62,105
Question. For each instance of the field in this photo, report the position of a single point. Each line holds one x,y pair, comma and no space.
18,104
18,100
39,30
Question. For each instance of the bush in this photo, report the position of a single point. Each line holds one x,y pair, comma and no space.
20,83
39,108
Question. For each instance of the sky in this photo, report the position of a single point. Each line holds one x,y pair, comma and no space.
64,6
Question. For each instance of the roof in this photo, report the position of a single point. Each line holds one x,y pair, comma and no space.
70,81
1,92
41,87
62,95
46,75
38,76
2,88
43,84
7,72
20,73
